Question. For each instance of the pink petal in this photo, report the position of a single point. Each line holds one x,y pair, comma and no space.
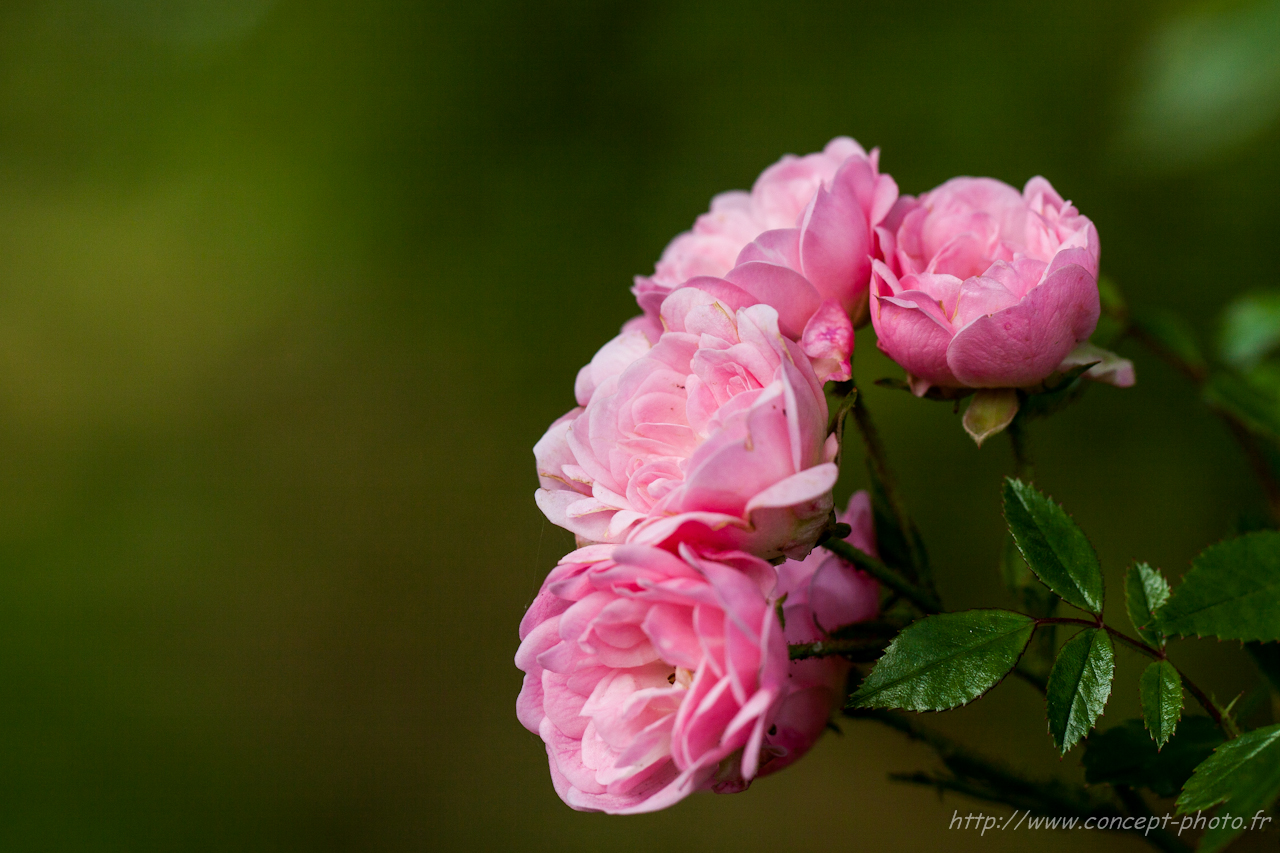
1022,345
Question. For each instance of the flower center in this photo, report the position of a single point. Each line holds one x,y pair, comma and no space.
681,676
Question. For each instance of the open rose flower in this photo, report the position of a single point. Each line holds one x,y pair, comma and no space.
716,435
820,211
819,594
982,287
650,676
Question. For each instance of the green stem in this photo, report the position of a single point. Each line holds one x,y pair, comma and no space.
1156,654
1023,467
848,395
1159,838
984,778
1046,797
859,651
921,598
1197,376
878,458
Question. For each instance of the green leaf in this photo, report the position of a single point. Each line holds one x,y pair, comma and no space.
1171,333
1248,402
1243,773
1126,755
946,661
1250,329
1054,547
1161,691
1232,592
1022,584
1145,589
1267,658
1079,685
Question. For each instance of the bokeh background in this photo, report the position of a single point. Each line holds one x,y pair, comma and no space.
289,290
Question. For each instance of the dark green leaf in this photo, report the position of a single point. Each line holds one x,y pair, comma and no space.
1126,755
1053,546
1021,582
1250,329
1145,589
1267,657
1161,690
1079,685
1232,592
1254,405
946,661
1244,773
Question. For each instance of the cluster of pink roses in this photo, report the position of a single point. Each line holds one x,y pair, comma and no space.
697,470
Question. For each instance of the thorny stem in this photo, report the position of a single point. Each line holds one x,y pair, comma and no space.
1022,463
1197,376
1157,654
984,778
862,650
879,462
964,762
921,598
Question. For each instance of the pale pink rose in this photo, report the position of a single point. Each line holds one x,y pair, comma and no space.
650,676
822,593
823,207
715,435
982,287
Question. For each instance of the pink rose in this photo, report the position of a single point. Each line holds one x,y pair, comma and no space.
983,287
716,435
822,593
650,676
820,212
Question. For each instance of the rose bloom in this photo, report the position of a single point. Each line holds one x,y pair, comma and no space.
650,676
819,594
716,436
825,208
983,287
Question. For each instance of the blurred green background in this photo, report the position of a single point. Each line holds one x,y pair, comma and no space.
289,290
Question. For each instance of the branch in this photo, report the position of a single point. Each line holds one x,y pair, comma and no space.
859,651
1022,464
921,598
1197,376
1137,807
879,460
1045,797
1156,654
977,776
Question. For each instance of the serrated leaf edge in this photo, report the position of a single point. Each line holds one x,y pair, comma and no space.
1075,693
1004,513
1182,705
850,702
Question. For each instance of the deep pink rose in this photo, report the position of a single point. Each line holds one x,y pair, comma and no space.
822,593
983,287
812,221
716,435
650,676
